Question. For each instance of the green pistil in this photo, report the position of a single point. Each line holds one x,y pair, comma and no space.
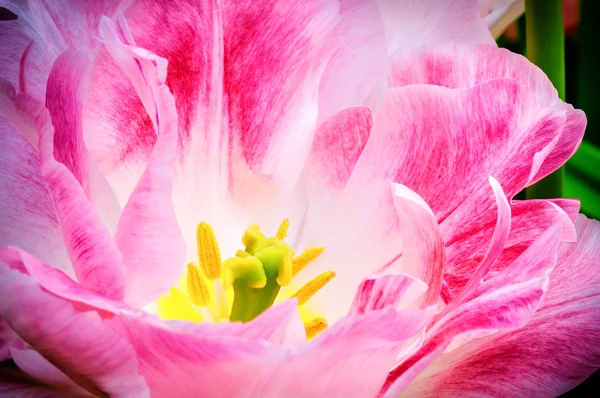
257,274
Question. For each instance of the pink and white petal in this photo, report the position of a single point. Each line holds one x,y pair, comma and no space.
280,324
465,242
150,240
494,249
463,66
417,119
27,216
351,358
506,308
120,134
67,84
96,260
80,344
386,290
525,361
358,65
422,245
25,62
337,145
273,110
58,284
63,24
182,364
412,24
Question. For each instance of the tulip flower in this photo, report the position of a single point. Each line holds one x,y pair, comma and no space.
274,198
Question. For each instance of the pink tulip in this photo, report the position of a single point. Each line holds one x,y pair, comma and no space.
392,135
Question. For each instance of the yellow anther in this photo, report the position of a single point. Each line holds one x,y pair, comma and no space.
253,239
313,286
283,228
314,327
248,269
197,288
284,277
306,257
208,251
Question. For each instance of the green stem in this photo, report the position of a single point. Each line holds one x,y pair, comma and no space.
546,49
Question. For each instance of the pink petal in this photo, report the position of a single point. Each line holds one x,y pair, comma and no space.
77,343
358,66
147,233
62,24
351,358
337,145
553,353
64,97
35,365
506,308
67,84
280,324
413,24
27,216
24,63
494,250
422,245
466,239
467,66
380,291
96,260
417,119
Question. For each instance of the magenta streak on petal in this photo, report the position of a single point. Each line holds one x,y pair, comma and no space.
497,244
506,308
96,260
148,234
380,291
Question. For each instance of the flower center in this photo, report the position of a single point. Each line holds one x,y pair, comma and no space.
242,287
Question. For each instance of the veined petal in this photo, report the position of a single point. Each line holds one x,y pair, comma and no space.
67,83
351,358
25,63
62,24
95,258
466,66
529,220
386,290
147,234
422,244
78,343
27,216
524,361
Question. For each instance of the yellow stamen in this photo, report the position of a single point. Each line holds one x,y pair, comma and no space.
305,258
197,288
284,277
208,251
313,286
314,327
283,228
